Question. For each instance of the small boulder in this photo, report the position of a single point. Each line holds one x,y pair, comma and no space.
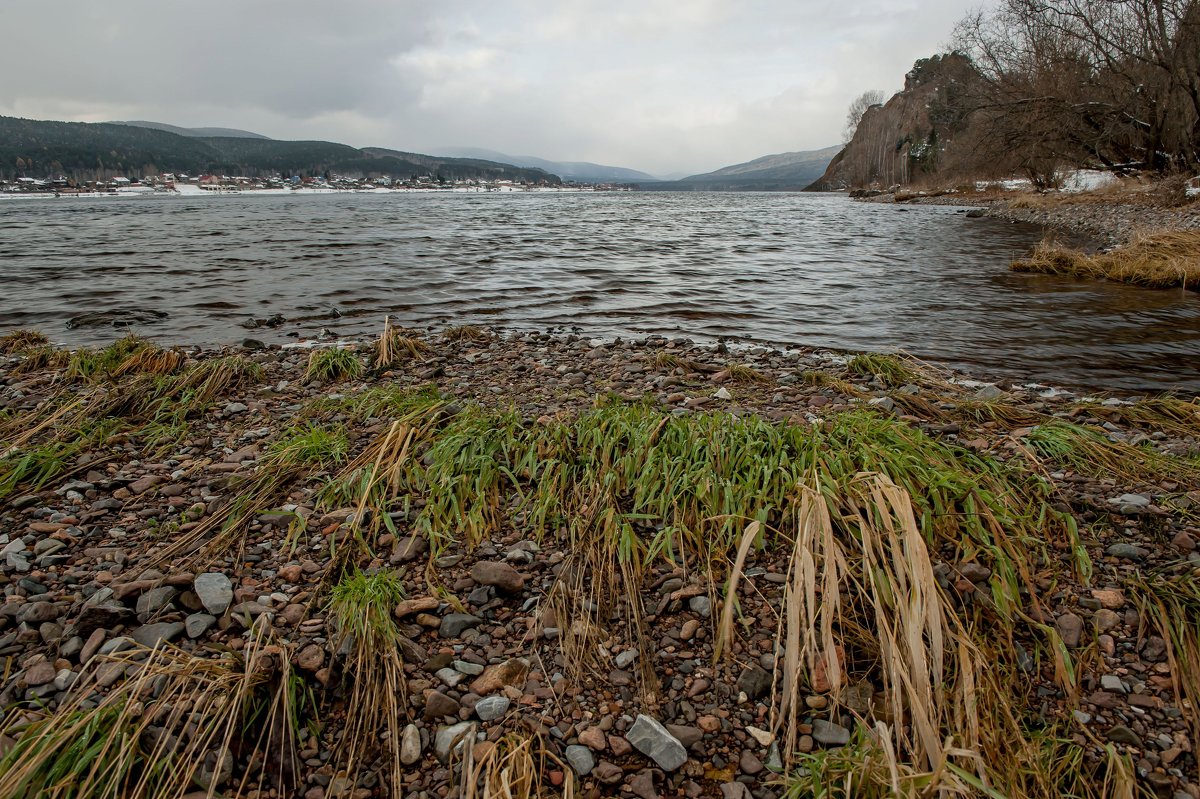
215,591
499,575
654,741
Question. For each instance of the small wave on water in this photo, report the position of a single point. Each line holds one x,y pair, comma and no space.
791,269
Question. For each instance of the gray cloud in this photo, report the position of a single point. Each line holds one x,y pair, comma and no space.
659,85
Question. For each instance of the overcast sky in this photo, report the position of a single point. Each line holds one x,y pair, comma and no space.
664,86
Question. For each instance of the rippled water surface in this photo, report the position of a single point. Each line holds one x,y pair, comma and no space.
781,268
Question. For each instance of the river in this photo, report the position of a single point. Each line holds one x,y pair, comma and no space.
784,269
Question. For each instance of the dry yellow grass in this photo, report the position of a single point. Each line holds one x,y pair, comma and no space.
1155,260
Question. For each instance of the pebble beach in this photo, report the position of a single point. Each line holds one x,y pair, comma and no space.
674,678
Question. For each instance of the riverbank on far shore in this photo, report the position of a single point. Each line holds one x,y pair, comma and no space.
1112,217
546,534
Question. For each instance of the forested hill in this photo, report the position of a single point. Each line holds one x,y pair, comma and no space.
89,151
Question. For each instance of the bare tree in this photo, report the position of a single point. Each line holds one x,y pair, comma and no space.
858,108
1106,83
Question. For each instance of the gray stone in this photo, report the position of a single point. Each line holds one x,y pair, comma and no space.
215,592
1113,683
1126,551
64,679
38,612
701,606
735,790
989,392
625,659
410,745
754,682
722,393
499,575
464,667
581,759
120,644
450,739
198,623
152,635
830,734
885,403
653,740
491,708
14,546
1123,735
156,599
454,624
1131,500
1070,627
451,677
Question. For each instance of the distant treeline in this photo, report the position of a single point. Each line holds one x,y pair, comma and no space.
100,151
1036,86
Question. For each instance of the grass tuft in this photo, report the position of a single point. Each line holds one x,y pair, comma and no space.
396,345
362,607
741,373
465,333
1154,260
891,370
22,340
175,723
1090,452
333,364
309,446
515,767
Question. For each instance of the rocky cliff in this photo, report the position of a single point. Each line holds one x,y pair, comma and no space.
922,132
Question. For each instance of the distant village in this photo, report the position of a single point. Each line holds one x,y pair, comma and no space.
224,184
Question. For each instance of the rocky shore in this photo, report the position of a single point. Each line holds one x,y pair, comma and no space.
1111,222
225,529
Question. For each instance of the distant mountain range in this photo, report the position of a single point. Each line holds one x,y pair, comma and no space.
194,133
578,171
780,172
88,151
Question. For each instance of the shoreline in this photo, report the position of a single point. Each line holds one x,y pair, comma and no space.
1112,221
114,540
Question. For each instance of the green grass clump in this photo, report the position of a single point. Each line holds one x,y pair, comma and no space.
311,446
333,364
376,401
669,360
363,604
1168,414
33,467
1089,451
1172,604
